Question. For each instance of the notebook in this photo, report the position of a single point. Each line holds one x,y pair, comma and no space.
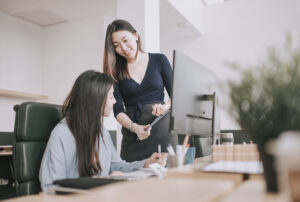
245,167
77,185
86,182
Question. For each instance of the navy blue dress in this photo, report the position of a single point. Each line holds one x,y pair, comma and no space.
136,101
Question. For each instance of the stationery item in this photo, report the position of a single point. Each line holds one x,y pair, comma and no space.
179,159
245,167
185,149
139,174
85,182
176,160
170,150
159,152
186,139
190,155
171,163
158,119
179,149
78,185
66,190
158,170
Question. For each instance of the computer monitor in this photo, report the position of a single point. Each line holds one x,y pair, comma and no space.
194,108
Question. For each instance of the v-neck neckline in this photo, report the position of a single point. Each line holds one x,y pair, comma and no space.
140,84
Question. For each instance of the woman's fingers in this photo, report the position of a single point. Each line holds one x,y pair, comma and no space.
154,109
117,173
157,109
147,129
159,158
143,132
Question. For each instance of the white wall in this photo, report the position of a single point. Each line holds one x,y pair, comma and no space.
21,55
241,31
143,15
192,10
70,49
47,60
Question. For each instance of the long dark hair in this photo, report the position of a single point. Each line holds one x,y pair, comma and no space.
83,110
115,65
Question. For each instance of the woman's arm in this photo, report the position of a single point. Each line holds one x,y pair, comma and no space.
140,130
166,74
53,165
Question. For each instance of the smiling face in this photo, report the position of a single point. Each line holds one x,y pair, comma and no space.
110,101
125,43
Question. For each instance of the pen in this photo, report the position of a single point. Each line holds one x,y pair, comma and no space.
186,139
159,149
170,150
179,149
185,148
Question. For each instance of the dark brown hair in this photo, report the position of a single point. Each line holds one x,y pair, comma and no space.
115,65
83,110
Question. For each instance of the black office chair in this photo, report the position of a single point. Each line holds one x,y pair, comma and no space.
33,125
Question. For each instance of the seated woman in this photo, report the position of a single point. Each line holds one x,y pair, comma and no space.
79,145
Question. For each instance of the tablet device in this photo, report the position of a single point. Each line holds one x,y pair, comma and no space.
159,118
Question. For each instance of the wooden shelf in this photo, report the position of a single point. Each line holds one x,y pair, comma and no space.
23,95
5,150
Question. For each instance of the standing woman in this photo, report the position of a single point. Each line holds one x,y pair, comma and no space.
141,78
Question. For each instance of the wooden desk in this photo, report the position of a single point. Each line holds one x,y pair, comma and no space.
180,184
254,190
170,189
195,171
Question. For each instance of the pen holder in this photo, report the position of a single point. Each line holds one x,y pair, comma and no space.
175,160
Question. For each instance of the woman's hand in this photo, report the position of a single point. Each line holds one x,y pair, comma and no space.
117,173
157,158
142,132
159,109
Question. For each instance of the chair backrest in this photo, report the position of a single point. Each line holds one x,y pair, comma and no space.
33,125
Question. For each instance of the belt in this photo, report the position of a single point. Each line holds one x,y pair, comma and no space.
137,109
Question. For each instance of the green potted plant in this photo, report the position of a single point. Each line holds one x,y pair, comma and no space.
266,101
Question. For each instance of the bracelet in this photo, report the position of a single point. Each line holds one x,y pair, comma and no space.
130,126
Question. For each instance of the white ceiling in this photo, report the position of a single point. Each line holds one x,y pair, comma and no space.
173,25
49,12
66,10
